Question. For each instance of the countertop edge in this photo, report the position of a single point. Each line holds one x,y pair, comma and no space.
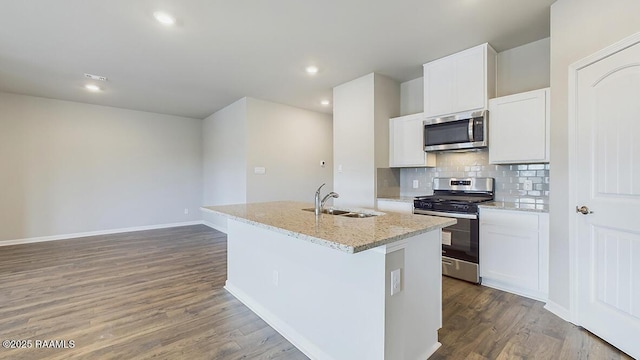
543,209
404,236
329,243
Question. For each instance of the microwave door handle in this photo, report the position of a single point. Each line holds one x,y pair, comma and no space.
470,131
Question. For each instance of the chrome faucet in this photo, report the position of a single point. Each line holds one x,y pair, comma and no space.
320,203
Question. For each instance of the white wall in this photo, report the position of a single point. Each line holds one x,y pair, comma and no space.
224,160
289,143
412,96
578,29
361,112
387,105
69,168
225,155
524,68
353,137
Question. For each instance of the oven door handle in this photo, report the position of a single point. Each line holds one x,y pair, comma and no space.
443,214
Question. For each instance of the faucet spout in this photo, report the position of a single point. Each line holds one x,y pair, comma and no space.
318,203
327,197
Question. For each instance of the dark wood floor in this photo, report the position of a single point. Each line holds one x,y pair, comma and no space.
158,294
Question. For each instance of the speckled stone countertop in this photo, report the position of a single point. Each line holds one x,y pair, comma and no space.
542,208
339,232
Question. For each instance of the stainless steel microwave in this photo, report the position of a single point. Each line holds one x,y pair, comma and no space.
457,132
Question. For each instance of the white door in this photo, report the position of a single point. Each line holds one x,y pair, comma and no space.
607,180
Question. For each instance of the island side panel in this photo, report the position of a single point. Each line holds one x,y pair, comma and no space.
414,315
423,260
329,304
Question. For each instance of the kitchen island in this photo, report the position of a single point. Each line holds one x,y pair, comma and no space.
325,282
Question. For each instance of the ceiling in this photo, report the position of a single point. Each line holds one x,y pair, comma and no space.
222,50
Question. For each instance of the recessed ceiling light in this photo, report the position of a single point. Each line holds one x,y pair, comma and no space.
92,87
164,18
95,77
312,70
325,102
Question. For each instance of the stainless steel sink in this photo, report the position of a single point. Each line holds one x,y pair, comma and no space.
329,211
342,213
359,215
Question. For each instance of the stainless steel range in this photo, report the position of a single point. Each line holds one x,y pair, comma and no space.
458,198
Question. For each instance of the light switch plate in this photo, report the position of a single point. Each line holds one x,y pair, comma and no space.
416,184
528,185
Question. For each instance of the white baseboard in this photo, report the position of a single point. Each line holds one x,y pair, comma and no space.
214,226
94,233
302,343
431,351
559,311
535,295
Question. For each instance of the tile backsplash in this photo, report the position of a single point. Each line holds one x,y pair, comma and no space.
509,178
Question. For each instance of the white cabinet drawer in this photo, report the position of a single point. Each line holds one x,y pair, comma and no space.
510,219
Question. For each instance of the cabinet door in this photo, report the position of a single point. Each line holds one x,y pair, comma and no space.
469,79
519,128
510,253
459,82
439,90
510,256
406,145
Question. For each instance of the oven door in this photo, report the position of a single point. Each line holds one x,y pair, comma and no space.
459,241
460,250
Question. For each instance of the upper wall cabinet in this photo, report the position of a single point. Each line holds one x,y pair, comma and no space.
406,145
519,128
460,82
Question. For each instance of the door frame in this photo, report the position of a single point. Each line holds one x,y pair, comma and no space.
573,159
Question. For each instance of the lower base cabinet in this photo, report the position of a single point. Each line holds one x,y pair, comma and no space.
514,251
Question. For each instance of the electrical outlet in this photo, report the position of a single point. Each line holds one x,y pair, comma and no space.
416,184
186,211
395,282
528,185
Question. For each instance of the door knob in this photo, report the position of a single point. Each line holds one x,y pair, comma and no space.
583,210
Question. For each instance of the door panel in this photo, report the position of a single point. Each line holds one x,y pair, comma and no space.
607,180
614,270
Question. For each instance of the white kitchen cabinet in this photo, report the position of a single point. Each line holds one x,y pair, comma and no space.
460,82
406,144
514,253
403,207
519,128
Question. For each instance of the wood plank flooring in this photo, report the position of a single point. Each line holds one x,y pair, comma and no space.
158,294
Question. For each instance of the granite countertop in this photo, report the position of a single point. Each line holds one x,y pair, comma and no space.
542,208
343,233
